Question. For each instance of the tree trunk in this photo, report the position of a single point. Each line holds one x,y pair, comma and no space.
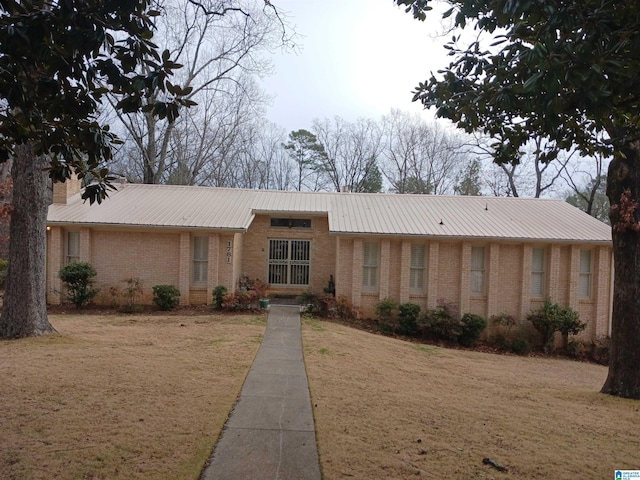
623,190
24,312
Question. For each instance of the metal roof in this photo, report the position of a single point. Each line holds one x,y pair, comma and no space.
348,213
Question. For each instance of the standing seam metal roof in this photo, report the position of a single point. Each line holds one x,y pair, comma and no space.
348,213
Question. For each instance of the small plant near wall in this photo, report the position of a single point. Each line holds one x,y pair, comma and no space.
78,281
472,328
132,293
114,296
408,319
442,322
503,324
345,310
219,293
309,301
551,318
167,297
250,294
385,310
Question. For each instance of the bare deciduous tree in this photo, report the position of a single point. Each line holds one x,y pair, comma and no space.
352,151
221,52
420,157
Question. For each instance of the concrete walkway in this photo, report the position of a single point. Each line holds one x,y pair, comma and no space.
270,433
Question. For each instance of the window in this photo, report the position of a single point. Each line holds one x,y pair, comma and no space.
537,272
416,272
73,248
370,266
584,279
200,259
477,270
291,222
289,262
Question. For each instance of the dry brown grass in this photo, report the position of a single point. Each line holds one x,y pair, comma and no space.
386,408
142,397
121,397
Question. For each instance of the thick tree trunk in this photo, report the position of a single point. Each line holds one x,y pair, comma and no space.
24,312
623,190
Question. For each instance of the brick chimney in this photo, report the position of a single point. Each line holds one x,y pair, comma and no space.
62,191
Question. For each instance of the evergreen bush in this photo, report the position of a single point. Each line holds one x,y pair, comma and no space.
472,328
408,319
77,278
167,297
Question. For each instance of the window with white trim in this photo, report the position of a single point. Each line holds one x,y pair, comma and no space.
72,253
289,262
370,266
537,272
416,271
478,272
200,259
584,278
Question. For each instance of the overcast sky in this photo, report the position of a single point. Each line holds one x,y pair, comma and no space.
357,58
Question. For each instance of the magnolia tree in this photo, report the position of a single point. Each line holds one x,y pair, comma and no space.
562,71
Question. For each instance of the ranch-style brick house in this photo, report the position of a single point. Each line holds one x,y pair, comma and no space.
487,255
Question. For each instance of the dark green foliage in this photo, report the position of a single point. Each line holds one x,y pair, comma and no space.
167,297
386,313
551,318
219,293
565,72
442,323
59,61
521,346
307,153
472,327
408,319
592,198
77,278
385,309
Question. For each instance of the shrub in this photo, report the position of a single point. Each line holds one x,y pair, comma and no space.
385,313
521,346
442,323
327,306
600,350
503,320
384,309
167,297
218,296
310,300
408,319
132,292
472,327
260,288
345,310
551,318
77,278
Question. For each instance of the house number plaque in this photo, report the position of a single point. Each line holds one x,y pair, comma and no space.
229,251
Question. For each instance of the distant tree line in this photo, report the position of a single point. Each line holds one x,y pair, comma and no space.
225,140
